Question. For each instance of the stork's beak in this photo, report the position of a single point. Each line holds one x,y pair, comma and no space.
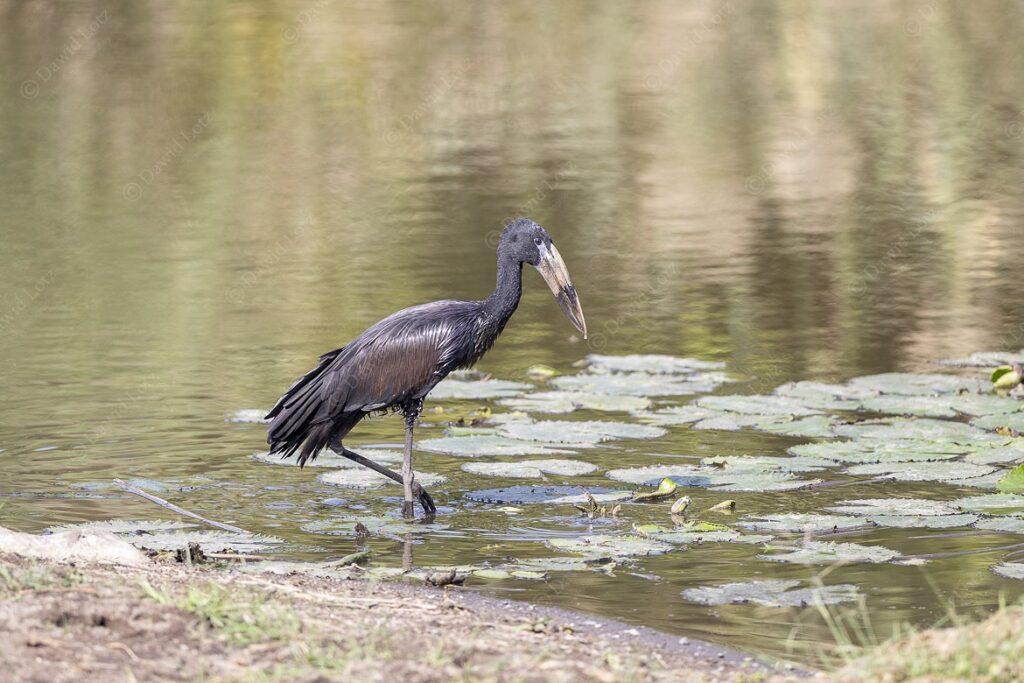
552,269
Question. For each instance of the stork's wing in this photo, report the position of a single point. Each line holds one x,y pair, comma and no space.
397,359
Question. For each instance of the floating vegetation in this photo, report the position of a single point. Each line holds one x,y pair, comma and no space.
640,383
763,478
606,545
360,525
823,552
530,469
944,406
328,458
123,527
697,532
984,359
559,495
563,564
569,401
666,487
990,503
802,523
584,433
591,498
247,415
767,463
1007,524
678,415
365,478
998,423
162,535
1012,481
825,396
936,431
997,456
872,451
450,389
922,471
1011,570
895,506
487,444
771,593
779,406
651,363
913,384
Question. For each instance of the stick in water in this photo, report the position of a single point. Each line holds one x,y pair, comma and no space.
174,508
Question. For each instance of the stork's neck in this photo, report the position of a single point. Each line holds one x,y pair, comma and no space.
501,304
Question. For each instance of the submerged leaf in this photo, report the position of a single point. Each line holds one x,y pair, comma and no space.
771,593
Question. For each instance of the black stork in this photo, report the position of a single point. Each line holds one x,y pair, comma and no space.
395,363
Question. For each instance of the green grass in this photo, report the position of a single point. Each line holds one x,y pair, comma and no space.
240,617
15,578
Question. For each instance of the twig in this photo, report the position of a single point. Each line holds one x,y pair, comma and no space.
174,508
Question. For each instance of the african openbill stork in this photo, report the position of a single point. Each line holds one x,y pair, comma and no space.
395,363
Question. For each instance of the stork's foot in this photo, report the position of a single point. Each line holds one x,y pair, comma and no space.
425,500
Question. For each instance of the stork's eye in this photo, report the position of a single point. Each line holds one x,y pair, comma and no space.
538,241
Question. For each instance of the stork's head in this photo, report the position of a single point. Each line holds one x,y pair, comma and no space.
527,242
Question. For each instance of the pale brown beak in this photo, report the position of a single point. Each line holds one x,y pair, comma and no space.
552,269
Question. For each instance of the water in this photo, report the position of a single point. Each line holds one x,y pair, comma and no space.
199,199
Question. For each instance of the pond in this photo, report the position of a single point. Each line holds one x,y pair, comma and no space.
198,200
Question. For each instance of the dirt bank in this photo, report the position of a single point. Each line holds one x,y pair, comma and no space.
166,621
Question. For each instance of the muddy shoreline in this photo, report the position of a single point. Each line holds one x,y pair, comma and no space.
166,621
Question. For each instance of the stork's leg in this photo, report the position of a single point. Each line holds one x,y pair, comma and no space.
408,477
421,493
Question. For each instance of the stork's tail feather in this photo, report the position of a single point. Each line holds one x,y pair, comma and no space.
297,419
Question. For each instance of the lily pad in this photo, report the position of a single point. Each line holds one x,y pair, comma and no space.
997,456
922,406
347,526
872,451
678,415
365,478
558,564
651,363
587,432
478,389
912,384
984,359
813,426
568,401
895,506
640,384
757,405
771,593
123,527
330,459
1006,523
923,521
822,552
938,431
544,494
988,481
474,446
825,396
1011,570
800,523
530,469
715,478
606,545
768,463
209,541
990,503
1014,421
921,471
